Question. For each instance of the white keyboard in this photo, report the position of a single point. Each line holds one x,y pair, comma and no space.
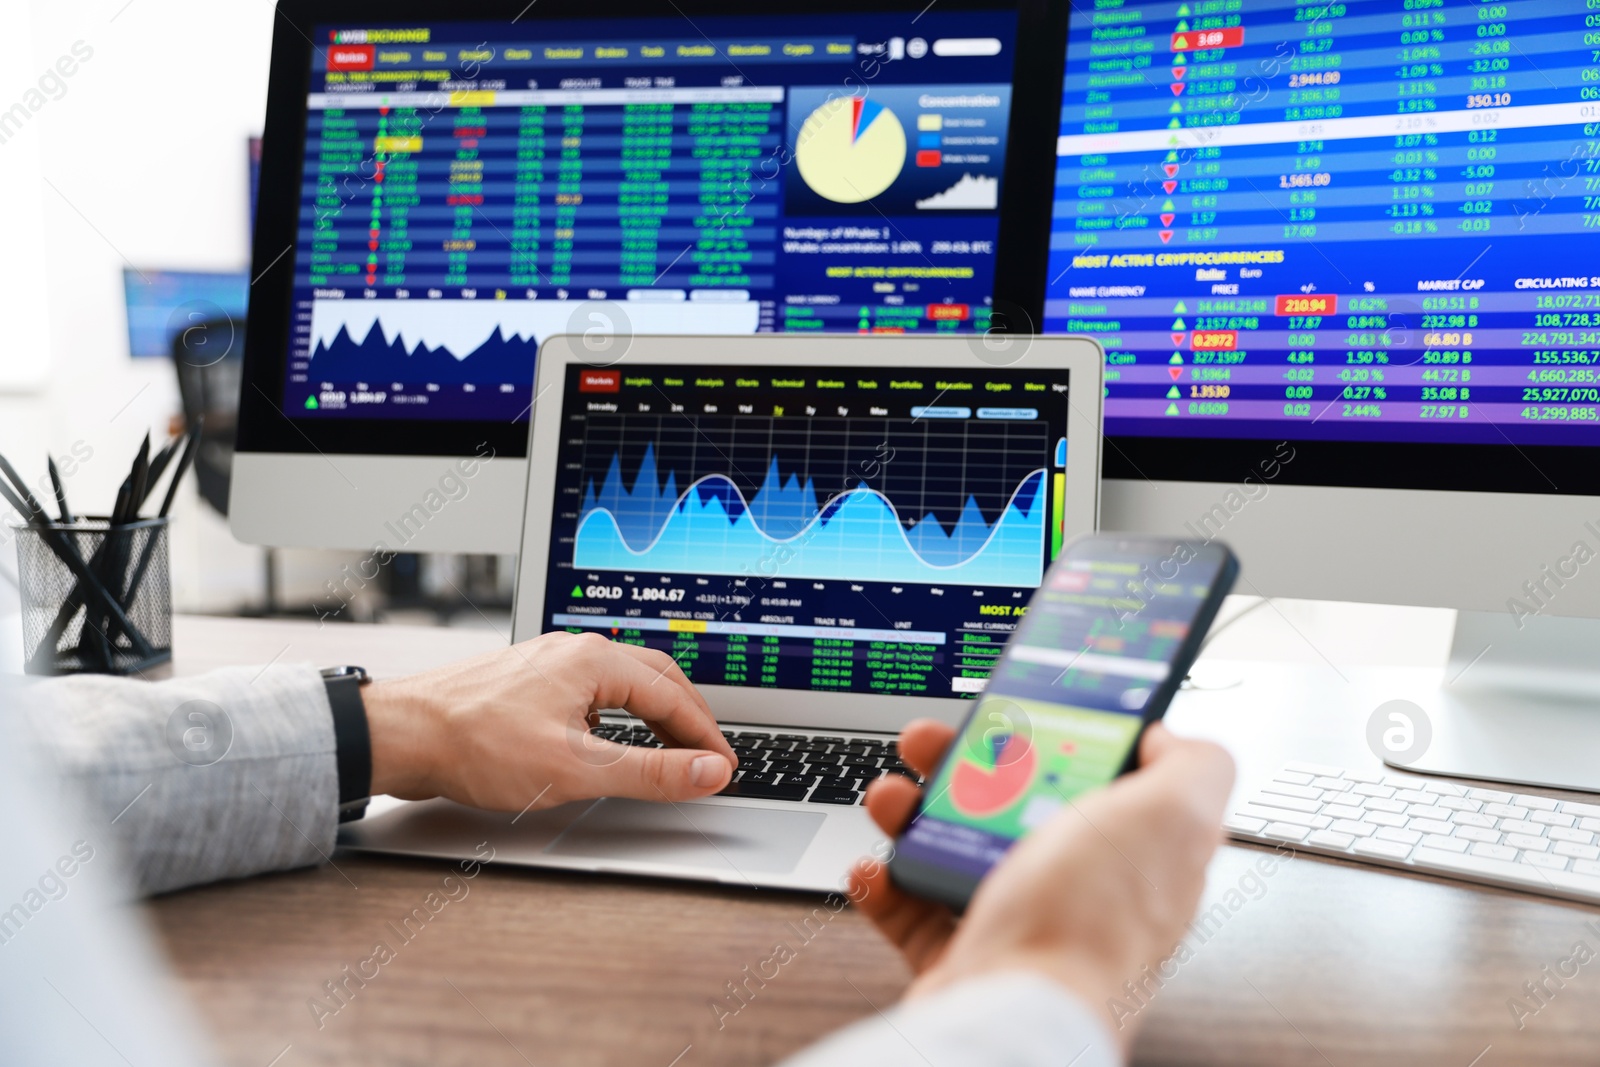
1432,826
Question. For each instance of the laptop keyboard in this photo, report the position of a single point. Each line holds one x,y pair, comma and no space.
815,768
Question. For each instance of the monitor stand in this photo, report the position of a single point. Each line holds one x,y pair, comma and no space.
1519,704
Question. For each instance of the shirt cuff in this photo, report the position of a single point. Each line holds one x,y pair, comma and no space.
1015,1019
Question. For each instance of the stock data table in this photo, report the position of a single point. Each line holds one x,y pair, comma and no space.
1358,221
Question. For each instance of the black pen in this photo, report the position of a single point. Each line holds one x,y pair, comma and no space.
183,464
158,467
140,473
33,509
61,494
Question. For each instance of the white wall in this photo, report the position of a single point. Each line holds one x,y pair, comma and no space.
137,158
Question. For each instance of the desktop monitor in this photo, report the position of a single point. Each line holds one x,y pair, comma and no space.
442,191
1341,259
161,304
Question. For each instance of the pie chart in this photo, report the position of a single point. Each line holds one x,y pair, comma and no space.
850,149
985,783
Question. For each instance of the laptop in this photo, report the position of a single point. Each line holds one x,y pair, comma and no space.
831,535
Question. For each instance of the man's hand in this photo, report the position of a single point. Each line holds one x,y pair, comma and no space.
511,728
1103,888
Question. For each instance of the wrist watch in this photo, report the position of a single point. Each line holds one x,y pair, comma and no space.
351,741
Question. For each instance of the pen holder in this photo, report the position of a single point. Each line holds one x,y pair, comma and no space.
96,598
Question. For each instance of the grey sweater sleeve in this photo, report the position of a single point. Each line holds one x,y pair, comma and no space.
1017,1019
219,776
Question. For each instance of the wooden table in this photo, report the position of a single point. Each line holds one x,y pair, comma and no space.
1321,963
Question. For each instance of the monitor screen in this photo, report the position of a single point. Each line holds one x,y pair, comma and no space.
468,189
860,529
1340,222
163,303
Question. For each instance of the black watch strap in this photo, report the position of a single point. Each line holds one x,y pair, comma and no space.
351,740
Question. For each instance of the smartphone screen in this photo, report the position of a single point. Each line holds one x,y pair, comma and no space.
1104,644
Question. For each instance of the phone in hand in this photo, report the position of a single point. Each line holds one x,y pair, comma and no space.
1104,644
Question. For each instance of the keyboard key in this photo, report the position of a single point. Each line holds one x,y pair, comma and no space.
1404,837
1343,811
1272,800
1544,860
1508,811
1313,822
1245,824
1582,837
757,734
1475,833
1388,849
868,762
1330,839
1472,818
1394,807
1371,777
1314,768
1366,789
1552,818
825,795
1576,851
1293,777
1413,796
1489,795
1518,826
1457,803
1572,807
1527,842
1430,826
1403,781
1492,866
1589,823
1541,803
1487,851
1428,811
1304,792
1350,826
1448,789
1586,867
1453,844
1384,818
1284,831
1331,783
764,791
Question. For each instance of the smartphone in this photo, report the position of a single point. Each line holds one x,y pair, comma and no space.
1099,653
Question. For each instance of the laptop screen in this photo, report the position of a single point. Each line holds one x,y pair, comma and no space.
822,528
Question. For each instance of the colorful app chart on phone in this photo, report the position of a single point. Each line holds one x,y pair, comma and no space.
1065,706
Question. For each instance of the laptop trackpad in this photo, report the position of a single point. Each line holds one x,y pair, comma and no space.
717,836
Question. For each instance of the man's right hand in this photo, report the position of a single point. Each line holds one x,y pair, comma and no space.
1104,888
